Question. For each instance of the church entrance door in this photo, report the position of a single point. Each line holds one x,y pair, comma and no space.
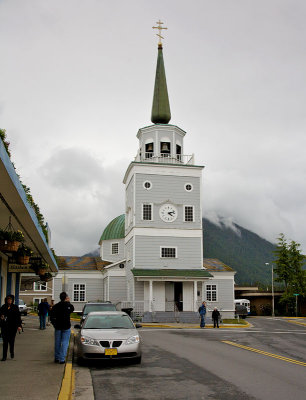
178,295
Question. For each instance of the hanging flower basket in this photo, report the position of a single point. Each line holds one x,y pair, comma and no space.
23,260
46,277
10,239
9,245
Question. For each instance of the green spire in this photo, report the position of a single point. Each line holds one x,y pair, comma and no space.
161,108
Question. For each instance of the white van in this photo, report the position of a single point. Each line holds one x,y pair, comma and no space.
243,302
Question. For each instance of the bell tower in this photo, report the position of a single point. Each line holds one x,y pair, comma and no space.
163,224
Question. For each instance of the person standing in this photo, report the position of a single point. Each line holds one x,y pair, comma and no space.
10,322
215,316
43,309
202,312
60,319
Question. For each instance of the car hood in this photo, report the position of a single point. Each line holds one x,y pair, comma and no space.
107,334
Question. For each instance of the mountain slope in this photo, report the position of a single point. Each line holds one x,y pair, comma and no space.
246,252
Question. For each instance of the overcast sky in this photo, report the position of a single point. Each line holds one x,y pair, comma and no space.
76,84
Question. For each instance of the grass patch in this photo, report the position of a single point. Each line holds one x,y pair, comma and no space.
75,316
235,321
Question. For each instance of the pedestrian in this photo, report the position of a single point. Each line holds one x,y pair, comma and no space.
50,308
43,309
202,312
60,319
215,316
10,323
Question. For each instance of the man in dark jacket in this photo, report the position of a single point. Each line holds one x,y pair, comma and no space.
202,312
10,322
43,309
60,319
215,316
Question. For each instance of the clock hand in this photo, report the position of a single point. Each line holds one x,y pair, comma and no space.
171,213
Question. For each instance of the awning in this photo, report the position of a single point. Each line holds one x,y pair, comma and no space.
171,273
14,204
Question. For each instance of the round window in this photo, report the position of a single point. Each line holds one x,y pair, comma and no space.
147,185
188,187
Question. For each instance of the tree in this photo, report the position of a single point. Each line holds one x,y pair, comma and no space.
289,270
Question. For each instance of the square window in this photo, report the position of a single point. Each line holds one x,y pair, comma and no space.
211,292
168,252
147,212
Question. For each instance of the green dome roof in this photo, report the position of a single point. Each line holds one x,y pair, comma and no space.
115,229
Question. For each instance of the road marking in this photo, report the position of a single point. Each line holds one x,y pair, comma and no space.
296,322
265,353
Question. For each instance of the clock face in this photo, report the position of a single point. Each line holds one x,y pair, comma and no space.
168,213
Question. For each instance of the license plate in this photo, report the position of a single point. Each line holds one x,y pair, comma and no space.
111,352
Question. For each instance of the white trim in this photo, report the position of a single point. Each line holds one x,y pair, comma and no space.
115,263
146,181
81,274
111,252
147,204
188,183
187,233
78,301
167,247
157,169
39,290
210,284
184,207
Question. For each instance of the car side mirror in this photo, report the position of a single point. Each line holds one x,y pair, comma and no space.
77,326
138,326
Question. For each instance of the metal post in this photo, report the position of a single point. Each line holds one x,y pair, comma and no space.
273,313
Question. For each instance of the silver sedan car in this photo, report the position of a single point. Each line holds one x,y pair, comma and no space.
108,335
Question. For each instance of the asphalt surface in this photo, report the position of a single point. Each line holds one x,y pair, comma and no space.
269,363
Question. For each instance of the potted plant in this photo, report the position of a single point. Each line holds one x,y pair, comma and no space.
10,240
41,270
23,254
46,277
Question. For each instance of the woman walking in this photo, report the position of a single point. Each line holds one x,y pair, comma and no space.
10,322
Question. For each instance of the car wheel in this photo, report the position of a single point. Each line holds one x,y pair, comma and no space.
25,314
80,361
137,360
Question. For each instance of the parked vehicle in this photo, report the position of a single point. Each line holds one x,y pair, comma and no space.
23,307
241,311
96,306
243,302
108,335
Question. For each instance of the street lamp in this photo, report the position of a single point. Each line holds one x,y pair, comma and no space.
273,315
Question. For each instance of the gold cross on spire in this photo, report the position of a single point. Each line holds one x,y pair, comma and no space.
159,27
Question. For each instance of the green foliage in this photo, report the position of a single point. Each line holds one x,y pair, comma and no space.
30,199
24,251
5,142
11,235
289,269
246,252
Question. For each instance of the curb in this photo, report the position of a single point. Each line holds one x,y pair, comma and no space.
148,325
68,381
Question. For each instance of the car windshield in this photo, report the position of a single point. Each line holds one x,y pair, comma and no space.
108,322
21,302
99,307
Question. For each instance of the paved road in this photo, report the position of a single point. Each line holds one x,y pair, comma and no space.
270,363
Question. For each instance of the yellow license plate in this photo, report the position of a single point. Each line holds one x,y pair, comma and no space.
111,352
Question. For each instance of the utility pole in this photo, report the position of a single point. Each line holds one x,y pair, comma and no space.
273,314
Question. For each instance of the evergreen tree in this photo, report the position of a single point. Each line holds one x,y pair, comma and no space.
289,270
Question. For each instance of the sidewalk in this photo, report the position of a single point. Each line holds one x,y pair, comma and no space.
32,374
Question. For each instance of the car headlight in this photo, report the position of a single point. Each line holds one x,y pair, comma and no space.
133,339
89,341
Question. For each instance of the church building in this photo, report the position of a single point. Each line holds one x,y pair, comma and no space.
153,253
